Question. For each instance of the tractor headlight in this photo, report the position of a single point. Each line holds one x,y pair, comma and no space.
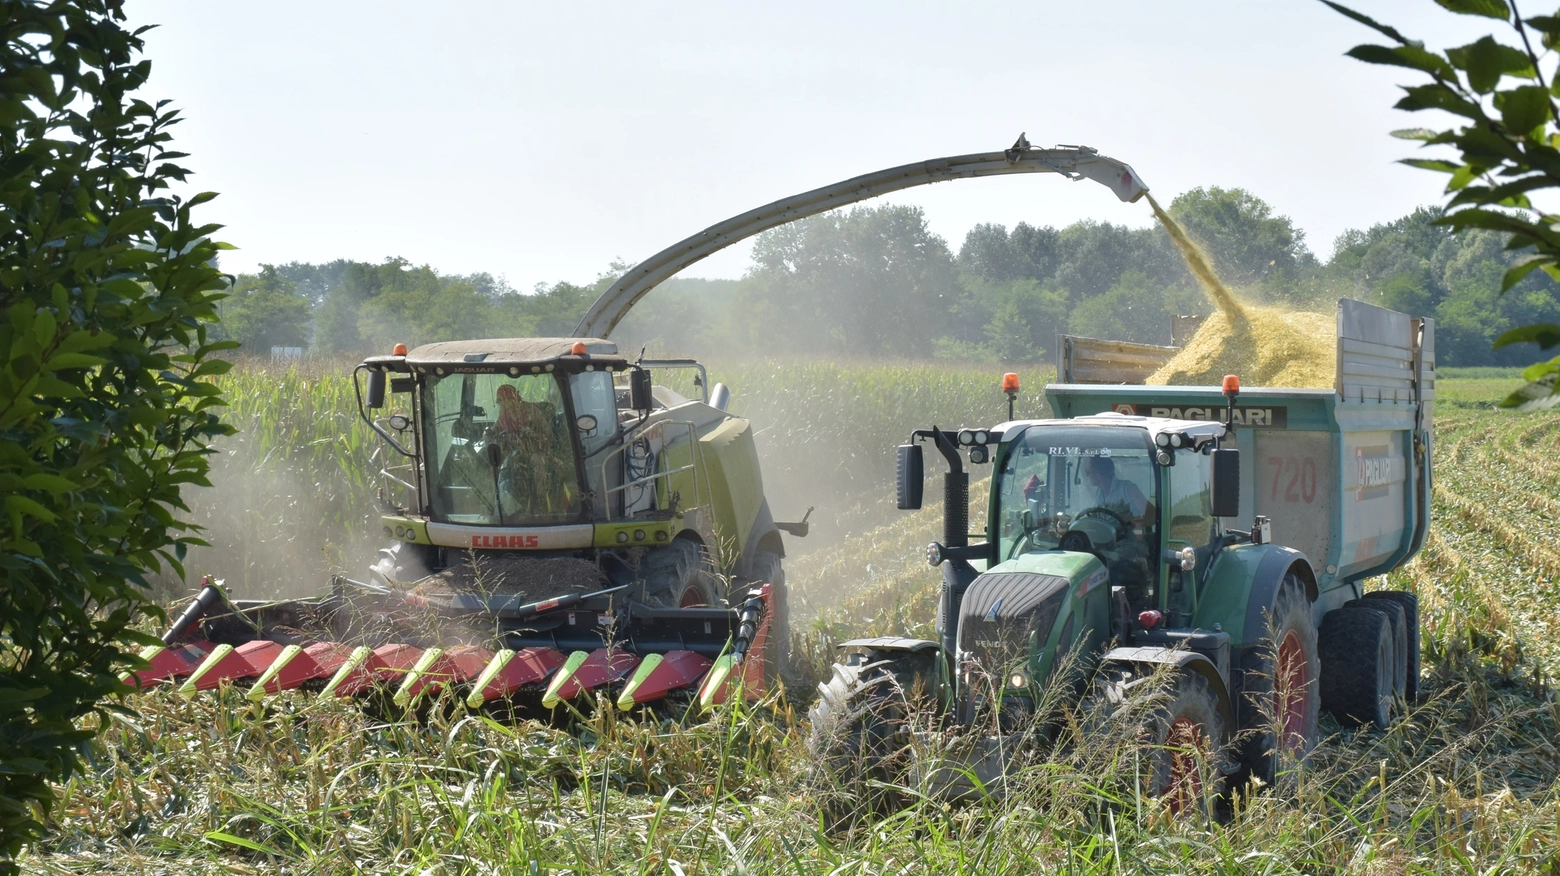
1019,680
1162,439
934,554
1188,559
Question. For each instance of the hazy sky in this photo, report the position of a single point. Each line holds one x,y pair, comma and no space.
541,141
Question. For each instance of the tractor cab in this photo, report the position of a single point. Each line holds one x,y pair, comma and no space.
1129,490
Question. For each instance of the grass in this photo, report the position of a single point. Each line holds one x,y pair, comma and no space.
1468,783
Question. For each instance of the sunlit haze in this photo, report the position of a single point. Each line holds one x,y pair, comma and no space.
541,141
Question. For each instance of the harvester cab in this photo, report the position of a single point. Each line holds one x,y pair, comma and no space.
542,496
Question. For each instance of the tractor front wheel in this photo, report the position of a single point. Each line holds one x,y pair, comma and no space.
861,727
1186,747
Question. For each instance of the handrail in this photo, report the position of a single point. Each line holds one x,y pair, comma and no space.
653,429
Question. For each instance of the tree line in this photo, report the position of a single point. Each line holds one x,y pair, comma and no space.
874,280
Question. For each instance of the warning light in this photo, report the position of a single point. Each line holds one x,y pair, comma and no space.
398,350
578,349
1010,382
1231,384
1150,619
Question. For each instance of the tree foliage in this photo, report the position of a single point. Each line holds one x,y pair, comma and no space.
1506,145
105,402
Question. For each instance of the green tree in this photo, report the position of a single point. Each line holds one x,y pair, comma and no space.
106,405
1250,245
1506,147
266,311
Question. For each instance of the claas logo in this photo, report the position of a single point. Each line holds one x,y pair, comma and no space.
505,541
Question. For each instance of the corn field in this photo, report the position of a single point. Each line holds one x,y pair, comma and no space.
1468,782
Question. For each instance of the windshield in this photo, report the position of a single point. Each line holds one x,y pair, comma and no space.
1080,488
501,452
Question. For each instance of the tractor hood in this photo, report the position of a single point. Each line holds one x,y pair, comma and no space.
1007,613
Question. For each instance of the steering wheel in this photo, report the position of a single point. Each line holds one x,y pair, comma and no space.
1123,524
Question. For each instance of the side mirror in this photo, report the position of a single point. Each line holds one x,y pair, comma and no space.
1225,478
376,389
910,477
639,390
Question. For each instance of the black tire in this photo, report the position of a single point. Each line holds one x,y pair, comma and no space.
777,647
680,575
1186,745
1399,623
861,723
1357,653
1410,603
1294,704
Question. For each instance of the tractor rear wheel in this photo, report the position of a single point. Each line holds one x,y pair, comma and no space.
1357,672
1282,701
777,647
861,727
680,575
1186,742
1410,603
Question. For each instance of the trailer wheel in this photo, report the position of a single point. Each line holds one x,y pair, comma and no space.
1397,620
1410,603
1185,748
680,575
1357,653
1281,686
777,648
861,724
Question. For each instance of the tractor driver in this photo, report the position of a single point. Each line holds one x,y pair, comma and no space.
1113,492
1128,562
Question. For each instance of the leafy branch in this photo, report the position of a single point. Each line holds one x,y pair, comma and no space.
1507,145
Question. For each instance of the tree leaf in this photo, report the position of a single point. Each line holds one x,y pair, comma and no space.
1487,60
1385,30
1542,391
1487,8
1524,109
1410,56
1544,334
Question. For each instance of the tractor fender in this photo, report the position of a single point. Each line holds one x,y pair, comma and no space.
763,537
1152,656
1240,589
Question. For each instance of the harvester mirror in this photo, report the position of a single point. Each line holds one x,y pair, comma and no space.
639,389
910,477
1225,482
585,423
376,389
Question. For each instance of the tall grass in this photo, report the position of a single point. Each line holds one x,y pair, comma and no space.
1468,782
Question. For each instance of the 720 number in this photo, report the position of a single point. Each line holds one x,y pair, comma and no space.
1296,476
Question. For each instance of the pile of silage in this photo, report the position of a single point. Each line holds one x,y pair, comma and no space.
1265,346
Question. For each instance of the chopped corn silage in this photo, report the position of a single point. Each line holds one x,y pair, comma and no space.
1265,346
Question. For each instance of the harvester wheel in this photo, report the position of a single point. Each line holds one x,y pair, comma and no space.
861,732
1410,603
1357,654
1282,691
680,575
1397,619
777,648
1186,747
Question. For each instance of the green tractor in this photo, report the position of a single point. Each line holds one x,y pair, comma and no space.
1114,538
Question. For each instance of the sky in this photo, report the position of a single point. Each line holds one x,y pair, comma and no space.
541,142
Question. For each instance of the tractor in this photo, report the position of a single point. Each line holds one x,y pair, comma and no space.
1115,545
